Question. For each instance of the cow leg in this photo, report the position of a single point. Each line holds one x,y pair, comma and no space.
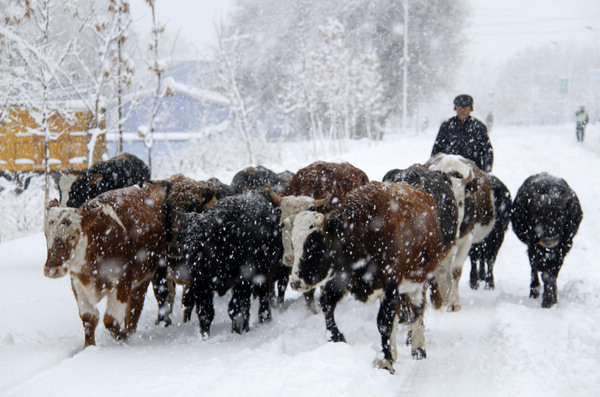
205,309
417,332
282,278
239,307
264,298
309,300
437,299
189,301
534,288
114,318
455,274
474,274
87,312
330,297
385,323
489,274
482,248
549,297
162,291
413,296
136,304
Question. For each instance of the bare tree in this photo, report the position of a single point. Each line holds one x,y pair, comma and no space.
38,53
228,63
124,66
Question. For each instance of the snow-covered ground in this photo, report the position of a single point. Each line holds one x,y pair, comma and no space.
501,344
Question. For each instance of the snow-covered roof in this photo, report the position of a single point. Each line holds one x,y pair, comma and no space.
201,95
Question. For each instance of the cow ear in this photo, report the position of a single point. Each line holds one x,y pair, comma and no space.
90,217
52,203
95,179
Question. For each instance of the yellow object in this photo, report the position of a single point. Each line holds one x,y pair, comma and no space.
22,141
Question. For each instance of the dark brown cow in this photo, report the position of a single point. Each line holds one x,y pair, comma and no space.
320,179
111,246
382,240
183,195
319,184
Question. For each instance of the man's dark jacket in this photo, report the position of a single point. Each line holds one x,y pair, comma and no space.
469,139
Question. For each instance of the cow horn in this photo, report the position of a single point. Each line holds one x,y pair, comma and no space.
52,203
323,201
276,198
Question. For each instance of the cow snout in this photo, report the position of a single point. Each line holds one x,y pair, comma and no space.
299,284
288,260
55,271
296,284
549,242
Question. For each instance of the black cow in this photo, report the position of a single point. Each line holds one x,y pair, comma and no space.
546,215
115,173
483,254
235,245
255,178
264,180
222,189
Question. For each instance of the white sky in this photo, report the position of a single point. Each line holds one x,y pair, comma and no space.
499,29
191,21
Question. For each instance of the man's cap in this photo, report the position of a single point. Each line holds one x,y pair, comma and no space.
463,101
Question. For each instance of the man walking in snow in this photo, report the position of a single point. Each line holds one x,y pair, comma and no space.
465,135
582,120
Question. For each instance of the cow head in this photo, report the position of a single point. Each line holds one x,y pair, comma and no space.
64,240
552,217
461,173
309,241
65,183
290,206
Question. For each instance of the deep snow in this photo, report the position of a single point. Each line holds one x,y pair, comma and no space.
501,344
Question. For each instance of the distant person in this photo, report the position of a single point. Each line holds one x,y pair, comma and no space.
582,120
489,121
465,135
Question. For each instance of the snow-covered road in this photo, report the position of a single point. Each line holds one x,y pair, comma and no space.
500,344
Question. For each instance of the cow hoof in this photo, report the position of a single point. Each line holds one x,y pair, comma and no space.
474,284
165,321
490,286
264,317
548,303
387,365
534,293
455,307
120,336
419,354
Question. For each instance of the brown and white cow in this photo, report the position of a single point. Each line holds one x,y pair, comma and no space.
476,217
381,241
320,184
110,247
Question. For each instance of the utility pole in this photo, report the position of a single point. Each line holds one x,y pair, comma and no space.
405,60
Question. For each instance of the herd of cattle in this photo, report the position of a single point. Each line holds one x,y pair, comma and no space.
325,228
